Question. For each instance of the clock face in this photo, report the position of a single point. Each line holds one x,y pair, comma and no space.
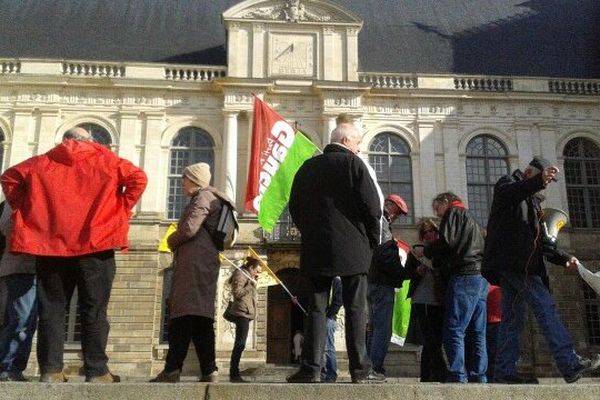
292,55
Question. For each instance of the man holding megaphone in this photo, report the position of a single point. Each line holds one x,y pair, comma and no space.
516,245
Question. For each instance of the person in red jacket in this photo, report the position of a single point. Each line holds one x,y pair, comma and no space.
71,210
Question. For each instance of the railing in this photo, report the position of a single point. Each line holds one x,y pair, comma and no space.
11,67
284,231
203,74
484,84
574,87
93,69
389,81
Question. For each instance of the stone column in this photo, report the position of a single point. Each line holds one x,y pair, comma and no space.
452,166
19,148
524,145
47,130
230,147
149,206
427,166
328,126
129,126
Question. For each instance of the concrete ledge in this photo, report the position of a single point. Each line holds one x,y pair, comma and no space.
589,390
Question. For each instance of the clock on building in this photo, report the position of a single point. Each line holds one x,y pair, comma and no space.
292,55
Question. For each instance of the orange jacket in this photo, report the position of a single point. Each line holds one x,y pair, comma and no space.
76,199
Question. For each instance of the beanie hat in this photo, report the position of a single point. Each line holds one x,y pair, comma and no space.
540,163
198,173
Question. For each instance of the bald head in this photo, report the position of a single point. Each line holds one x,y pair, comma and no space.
77,133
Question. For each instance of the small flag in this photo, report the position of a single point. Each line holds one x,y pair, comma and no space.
278,151
266,277
402,305
163,246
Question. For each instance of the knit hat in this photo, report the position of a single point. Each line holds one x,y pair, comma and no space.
198,173
540,163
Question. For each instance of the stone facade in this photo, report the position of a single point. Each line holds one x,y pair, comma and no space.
307,69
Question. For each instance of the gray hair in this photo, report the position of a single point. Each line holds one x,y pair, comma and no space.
344,130
77,133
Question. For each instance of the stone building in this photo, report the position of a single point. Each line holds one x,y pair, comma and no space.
449,96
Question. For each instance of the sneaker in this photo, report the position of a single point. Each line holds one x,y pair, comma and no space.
213,377
302,376
13,377
517,380
585,365
237,379
371,377
167,377
106,378
53,377
329,379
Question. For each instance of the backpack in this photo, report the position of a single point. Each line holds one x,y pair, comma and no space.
225,233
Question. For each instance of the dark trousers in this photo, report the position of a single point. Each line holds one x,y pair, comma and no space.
354,293
242,325
93,276
431,319
193,328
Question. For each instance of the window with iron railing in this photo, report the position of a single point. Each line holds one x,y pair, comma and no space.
592,314
98,133
486,162
73,320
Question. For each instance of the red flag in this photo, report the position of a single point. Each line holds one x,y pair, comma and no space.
269,130
403,250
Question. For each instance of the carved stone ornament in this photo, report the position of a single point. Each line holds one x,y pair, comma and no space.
292,11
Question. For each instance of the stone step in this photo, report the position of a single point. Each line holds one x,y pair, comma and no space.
587,389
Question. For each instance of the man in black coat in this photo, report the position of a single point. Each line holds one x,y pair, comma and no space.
336,205
514,258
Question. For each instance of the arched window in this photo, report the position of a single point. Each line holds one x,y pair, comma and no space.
487,161
99,134
389,156
191,145
582,175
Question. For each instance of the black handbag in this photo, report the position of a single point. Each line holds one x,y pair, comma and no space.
227,313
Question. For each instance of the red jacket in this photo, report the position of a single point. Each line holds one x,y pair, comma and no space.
76,199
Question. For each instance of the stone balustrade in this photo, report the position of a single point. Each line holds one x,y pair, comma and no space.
385,81
88,69
389,81
201,74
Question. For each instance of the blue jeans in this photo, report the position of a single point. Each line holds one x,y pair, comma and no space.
466,314
20,323
516,291
381,307
329,371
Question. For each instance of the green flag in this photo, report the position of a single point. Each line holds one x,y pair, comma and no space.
278,151
402,304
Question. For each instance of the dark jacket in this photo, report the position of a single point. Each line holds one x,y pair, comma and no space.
335,205
460,243
386,265
514,241
336,300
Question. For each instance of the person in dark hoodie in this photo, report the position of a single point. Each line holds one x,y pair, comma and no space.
514,258
386,274
461,243
71,209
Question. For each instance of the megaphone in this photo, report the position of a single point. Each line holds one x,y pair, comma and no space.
552,221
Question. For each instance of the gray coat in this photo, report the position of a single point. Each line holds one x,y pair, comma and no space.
244,294
196,259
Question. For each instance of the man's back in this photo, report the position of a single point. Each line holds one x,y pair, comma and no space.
335,205
75,199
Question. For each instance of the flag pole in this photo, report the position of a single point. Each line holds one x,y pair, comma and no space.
238,268
264,265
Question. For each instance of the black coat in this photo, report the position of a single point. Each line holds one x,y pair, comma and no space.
514,241
460,243
336,206
386,265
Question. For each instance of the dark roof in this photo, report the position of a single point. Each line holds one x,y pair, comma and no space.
501,37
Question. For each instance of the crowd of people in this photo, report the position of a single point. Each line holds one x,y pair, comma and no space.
63,219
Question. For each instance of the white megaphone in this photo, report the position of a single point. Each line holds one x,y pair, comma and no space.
552,221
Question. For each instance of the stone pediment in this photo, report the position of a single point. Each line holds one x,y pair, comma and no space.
292,11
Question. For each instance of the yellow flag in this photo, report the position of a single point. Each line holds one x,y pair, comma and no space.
163,247
266,277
